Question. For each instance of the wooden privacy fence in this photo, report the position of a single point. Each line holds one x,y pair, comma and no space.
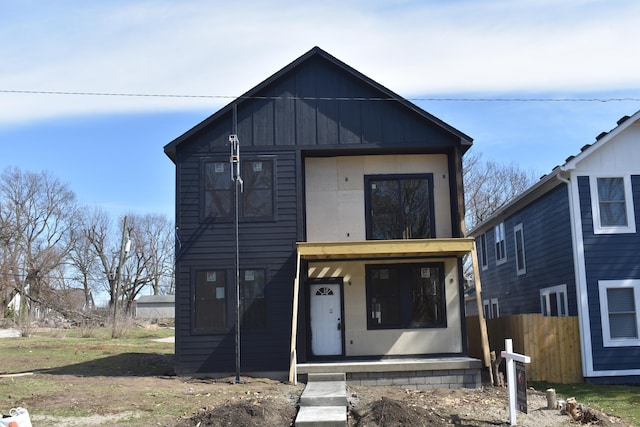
553,343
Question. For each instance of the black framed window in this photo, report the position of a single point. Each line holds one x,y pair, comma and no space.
210,309
257,197
399,206
253,307
218,190
257,200
401,296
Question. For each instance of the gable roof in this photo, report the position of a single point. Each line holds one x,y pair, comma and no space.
552,180
465,140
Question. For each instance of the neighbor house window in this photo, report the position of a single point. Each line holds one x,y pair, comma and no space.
256,201
399,207
253,308
518,236
619,303
612,205
484,261
210,301
553,301
500,243
491,308
405,296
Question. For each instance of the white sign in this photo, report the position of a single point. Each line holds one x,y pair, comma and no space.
511,358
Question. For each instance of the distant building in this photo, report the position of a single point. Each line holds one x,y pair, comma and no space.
155,307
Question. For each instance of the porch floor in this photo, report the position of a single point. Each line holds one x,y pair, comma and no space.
419,372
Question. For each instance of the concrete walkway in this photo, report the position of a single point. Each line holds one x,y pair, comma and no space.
323,402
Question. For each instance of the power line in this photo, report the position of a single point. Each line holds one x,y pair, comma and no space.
317,98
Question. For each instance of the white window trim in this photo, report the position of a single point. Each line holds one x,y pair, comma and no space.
558,289
603,285
494,303
628,201
486,309
523,270
500,261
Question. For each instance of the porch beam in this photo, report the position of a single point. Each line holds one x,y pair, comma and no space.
293,360
385,248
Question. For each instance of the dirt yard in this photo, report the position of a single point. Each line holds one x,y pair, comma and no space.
206,402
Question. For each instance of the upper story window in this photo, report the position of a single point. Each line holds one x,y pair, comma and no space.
518,236
619,311
612,205
399,207
501,245
257,200
484,260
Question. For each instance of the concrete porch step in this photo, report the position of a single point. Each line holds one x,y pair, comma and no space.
322,416
324,393
323,402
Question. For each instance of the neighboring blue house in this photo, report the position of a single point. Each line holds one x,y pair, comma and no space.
350,234
569,246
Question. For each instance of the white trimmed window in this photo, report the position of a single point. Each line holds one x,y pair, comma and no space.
518,236
553,301
619,302
501,245
612,204
490,308
484,261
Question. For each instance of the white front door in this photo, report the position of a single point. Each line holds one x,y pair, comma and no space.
326,319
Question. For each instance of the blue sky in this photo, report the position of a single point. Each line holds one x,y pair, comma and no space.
108,149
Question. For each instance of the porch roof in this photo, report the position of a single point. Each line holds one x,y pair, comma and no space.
385,248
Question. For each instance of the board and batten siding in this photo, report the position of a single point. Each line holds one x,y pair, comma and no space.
608,257
210,245
548,256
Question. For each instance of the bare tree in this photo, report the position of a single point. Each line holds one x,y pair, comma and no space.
489,185
150,262
37,216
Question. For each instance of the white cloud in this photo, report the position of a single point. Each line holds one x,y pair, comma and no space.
225,48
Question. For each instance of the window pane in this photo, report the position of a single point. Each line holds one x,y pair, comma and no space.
427,295
415,208
257,197
519,250
384,298
217,190
253,308
210,300
622,313
400,208
385,210
612,202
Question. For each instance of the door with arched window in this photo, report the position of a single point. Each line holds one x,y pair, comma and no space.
325,313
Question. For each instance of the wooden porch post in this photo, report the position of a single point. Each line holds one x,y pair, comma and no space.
484,337
293,374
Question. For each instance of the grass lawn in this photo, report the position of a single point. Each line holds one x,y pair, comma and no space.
621,400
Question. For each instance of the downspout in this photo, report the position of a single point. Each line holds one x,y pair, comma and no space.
582,315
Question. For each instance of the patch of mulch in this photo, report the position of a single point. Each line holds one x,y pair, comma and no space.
249,413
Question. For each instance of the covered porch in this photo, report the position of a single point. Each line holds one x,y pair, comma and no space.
442,369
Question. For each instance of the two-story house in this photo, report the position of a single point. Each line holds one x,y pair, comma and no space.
569,245
347,241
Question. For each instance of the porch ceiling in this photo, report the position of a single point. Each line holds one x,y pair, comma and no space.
385,248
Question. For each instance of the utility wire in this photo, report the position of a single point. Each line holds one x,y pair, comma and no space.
318,98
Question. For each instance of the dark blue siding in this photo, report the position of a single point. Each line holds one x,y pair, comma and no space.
548,256
608,257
